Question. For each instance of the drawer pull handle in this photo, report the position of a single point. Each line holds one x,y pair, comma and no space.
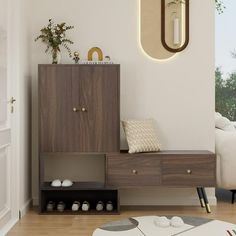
189,172
75,109
83,109
135,172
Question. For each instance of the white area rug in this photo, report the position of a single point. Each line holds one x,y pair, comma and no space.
145,226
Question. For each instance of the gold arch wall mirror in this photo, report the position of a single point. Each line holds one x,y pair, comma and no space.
164,27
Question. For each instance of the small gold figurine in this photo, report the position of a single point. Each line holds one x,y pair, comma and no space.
92,51
76,57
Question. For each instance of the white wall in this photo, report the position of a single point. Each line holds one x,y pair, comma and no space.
178,93
22,82
25,111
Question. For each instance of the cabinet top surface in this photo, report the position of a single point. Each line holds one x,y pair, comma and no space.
60,65
183,153
169,152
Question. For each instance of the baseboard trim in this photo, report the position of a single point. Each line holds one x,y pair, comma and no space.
175,202
25,208
35,201
164,197
8,227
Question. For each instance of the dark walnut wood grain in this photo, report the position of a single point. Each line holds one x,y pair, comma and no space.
166,168
93,90
57,132
184,171
133,171
96,91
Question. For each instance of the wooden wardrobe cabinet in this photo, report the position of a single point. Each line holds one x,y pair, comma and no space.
79,108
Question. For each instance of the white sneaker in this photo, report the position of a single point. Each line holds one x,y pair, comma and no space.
61,206
85,206
162,222
176,222
100,206
56,183
67,183
51,206
75,206
109,206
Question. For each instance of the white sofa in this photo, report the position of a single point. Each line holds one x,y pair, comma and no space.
226,156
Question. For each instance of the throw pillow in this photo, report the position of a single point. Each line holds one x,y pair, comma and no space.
141,135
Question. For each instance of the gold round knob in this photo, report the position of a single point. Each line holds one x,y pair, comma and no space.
83,109
189,172
75,109
135,172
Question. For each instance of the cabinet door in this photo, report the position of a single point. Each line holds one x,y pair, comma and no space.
57,133
96,96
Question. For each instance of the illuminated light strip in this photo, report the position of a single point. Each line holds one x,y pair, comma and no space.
140,44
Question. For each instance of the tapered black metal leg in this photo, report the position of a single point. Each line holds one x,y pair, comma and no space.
233,195
199,192
208,209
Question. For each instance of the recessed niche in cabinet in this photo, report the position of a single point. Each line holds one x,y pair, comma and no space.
75,167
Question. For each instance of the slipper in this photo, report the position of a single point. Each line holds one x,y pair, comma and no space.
67,183
109,206
75,206
56,183
100,206
50,206
162,222
176,222
85,206
61,206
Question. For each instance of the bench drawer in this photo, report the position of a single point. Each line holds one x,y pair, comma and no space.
189,171
133,171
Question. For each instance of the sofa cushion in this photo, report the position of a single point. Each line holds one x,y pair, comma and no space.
223,123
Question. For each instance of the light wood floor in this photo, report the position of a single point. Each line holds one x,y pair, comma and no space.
33,224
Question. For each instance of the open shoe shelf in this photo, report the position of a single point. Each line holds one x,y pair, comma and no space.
91,192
